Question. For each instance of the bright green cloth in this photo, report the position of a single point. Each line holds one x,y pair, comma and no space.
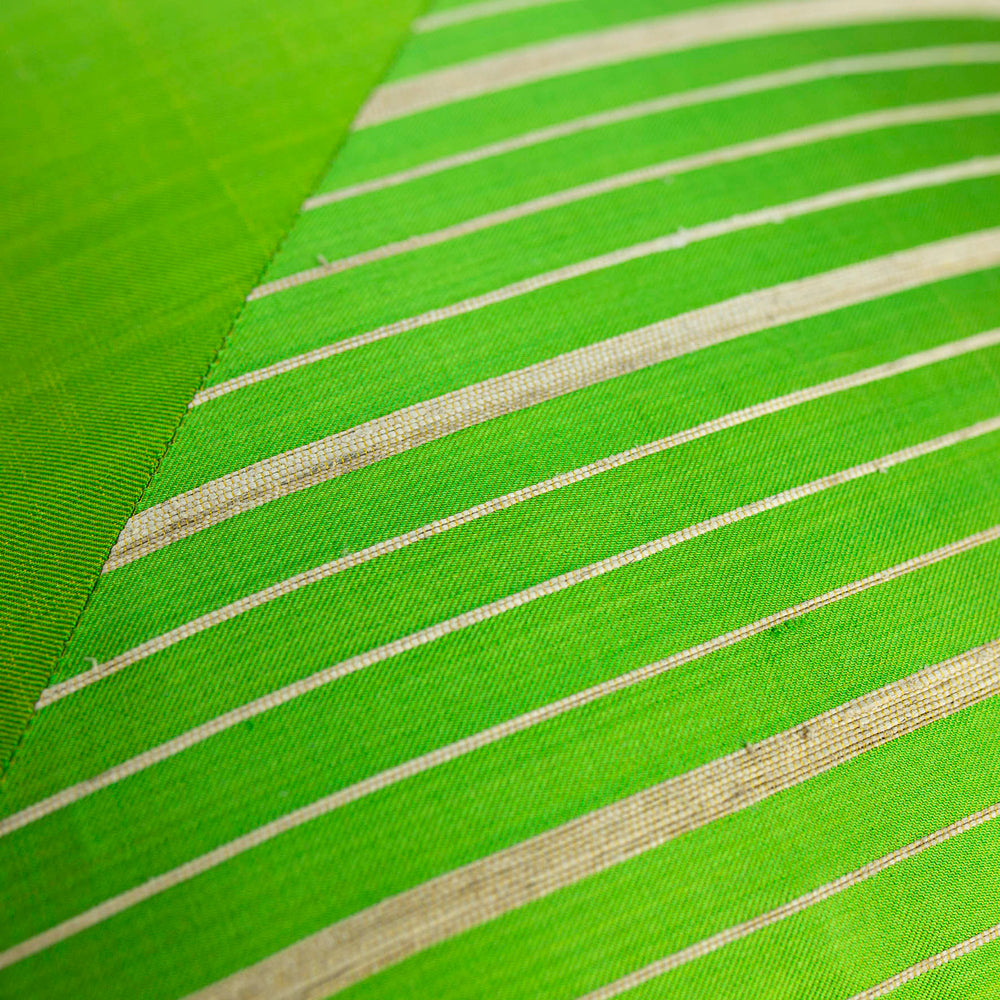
460,681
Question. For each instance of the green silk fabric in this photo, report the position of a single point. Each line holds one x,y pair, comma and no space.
461,681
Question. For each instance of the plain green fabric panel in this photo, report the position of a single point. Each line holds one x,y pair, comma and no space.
153,155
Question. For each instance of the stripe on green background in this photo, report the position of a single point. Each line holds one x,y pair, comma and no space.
561,543
801,904
315,574
671,33
932,111
973,977
336,518
396,928
408,143
385,437
420,367
857,65
611,940
336,718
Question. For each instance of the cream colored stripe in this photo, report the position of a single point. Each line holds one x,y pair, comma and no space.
452,751
347,451
959,950
416,919
947,55
988,104
474,12
624,43
790,909
932,177
493,609
215,617
374,939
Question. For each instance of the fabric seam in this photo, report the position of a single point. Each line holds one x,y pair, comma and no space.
297,212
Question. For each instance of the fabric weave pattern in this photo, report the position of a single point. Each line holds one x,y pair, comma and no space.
578,575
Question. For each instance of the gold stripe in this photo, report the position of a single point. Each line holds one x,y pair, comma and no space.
945,55
358,447
418,765
959,950
638,40
474,12
790,909
963,107
403,925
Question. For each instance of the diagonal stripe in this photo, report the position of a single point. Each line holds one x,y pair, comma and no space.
403,925
474,12
358,447
459,748
988,104
959,950
791,908
911,362
493,609
946,55
620,44
487,888
983,166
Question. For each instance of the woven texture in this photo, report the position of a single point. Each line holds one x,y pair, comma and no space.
578,574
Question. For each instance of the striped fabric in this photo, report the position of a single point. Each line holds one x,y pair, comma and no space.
579,574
